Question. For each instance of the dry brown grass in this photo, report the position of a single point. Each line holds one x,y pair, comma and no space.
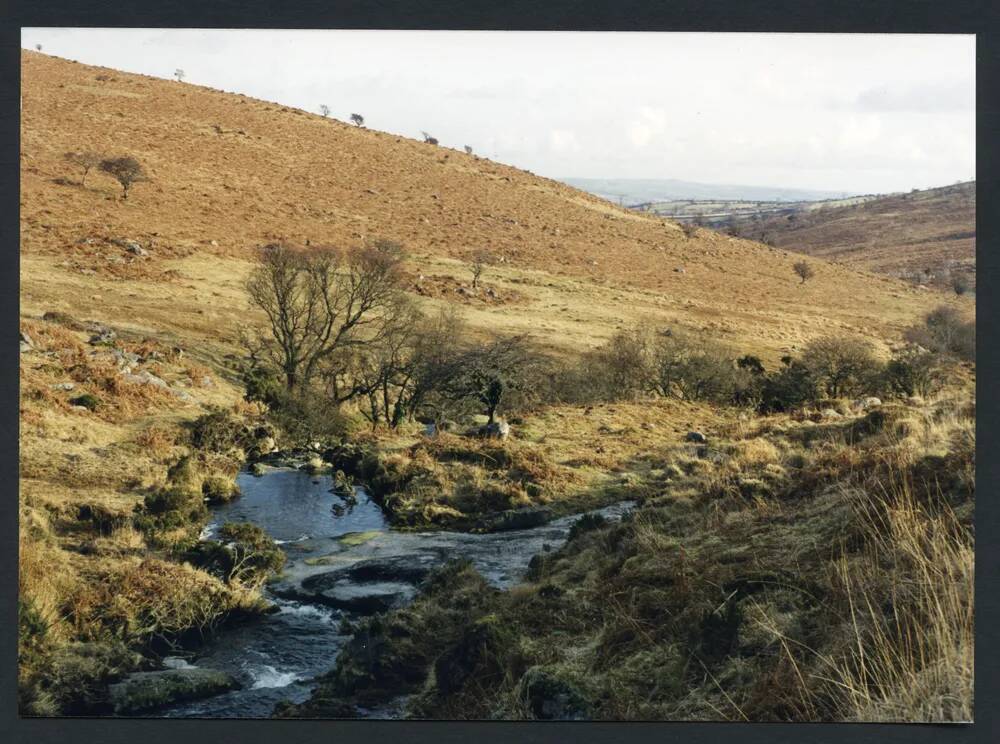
557,242
917,664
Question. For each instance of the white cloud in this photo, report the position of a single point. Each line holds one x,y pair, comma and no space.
564,141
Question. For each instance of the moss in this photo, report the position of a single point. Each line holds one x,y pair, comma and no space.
353,539
88,401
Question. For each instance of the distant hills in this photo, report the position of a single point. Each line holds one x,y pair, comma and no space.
631,191
927,237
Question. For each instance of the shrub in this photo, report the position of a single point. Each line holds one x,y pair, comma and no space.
842,366
219,431
358,120
620,369
218,489
803,270
85,160
913,372
695,370
126,171
946,331
245,555
88,401
790,387
586,523
308,417
168,509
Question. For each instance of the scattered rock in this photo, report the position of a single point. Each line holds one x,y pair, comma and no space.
866,403
680,270
27,344
67,386
147,690
334,590
516,519
495,430
103,335
550,697
146,378
829,413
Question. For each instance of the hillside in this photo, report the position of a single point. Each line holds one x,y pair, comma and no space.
230,173
926,236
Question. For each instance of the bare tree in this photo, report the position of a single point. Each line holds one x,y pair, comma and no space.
494,373
480,260
358,119
126,171
179,74
429,139
316,312
468,150
803,270
85,160
324,109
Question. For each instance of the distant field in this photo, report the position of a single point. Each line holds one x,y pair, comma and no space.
926,237
721,211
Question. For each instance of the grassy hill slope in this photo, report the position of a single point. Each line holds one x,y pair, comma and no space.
230,173
929,236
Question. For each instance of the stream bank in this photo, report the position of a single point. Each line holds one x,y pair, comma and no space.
343,563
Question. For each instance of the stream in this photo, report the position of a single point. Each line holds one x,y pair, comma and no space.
343,560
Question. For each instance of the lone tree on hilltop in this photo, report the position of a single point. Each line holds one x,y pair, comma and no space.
179,74
480,260
358,119
126,171
38,47
324,109
85,160
803,270
429,139
468,150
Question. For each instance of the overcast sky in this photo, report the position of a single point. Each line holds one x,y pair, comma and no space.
858,113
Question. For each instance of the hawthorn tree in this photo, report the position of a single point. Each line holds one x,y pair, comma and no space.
803,270
85,160
125,170
480,260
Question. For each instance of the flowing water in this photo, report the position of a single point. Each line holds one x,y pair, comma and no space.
275,657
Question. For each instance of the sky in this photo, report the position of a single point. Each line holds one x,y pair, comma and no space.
859,113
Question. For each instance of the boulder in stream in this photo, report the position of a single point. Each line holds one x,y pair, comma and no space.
147,690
